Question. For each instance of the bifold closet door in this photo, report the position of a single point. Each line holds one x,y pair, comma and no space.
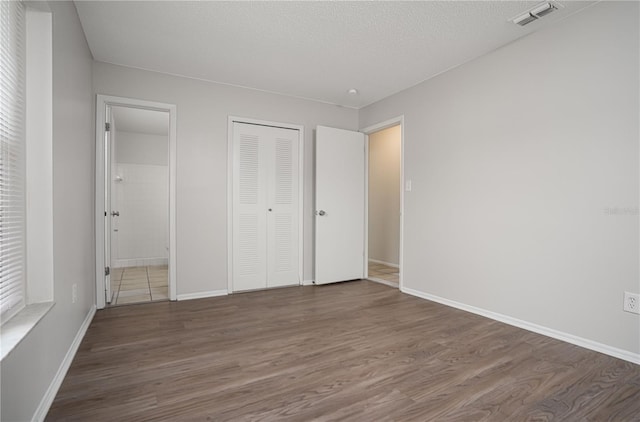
265,206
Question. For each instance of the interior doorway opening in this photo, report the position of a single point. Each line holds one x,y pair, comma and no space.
135,201
384,204
137,166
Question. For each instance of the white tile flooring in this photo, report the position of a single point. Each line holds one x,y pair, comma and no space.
139,284
384,272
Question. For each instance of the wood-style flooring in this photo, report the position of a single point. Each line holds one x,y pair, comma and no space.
356,351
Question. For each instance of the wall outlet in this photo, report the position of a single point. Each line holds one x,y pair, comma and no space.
74,293
631,302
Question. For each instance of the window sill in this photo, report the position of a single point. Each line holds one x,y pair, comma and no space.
16,329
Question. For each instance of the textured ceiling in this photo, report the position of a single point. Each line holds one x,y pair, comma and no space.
315,50
128,119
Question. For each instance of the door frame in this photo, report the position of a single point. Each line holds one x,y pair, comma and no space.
300,128
399,120
102,102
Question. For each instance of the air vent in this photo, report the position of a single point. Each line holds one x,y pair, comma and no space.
535,13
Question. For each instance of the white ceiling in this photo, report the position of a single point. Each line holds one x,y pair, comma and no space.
315,50
128,119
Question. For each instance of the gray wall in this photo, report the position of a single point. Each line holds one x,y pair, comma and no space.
202,111
518,161
384,195
30,368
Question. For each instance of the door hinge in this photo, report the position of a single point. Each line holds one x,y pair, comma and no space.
107,271
107,127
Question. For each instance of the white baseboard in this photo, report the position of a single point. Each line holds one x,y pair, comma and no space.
50,395
307,283
201,295
549,332
140,262
389,264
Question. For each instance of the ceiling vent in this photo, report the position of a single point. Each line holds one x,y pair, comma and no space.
534,14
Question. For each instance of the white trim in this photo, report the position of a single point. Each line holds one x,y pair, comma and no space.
141,262
102,101
307,282
17,328
399,120
47,399
385,282
39,153
366,207
230,204
300,129
388,264
549,332
201,295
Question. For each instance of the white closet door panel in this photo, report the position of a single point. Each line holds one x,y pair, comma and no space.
282,250
249,203
265,206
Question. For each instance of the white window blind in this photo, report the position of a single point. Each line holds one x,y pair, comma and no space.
12,158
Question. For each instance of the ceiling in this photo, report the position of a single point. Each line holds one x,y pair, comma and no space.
128,119
315,50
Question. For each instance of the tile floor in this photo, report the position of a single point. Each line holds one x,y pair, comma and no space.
139,284
384,272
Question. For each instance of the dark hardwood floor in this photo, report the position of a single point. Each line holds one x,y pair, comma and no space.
356,351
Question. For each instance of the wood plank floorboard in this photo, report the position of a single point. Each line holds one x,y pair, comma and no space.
355,351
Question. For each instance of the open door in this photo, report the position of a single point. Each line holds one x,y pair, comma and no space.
340,205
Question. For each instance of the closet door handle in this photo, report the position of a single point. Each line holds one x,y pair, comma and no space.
321,213
115,213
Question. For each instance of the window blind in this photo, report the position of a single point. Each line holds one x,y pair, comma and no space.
12,158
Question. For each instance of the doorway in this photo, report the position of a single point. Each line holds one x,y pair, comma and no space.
385,196
139,191
135,191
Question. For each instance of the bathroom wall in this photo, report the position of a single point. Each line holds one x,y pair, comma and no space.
140,194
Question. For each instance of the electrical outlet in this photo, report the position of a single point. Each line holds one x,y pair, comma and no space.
631,302
74,293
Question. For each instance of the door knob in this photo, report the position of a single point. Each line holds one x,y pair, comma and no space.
321,213
115,213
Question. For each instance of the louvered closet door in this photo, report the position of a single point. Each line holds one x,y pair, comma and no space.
282,220
265,207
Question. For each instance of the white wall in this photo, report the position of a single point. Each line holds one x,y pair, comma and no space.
384,195
140,234
28,371
202,111
142,198
142,148
518,161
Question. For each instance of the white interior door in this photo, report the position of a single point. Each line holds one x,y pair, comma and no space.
265,206
340,205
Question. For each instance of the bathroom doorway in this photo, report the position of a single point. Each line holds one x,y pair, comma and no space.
136,190
140,205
